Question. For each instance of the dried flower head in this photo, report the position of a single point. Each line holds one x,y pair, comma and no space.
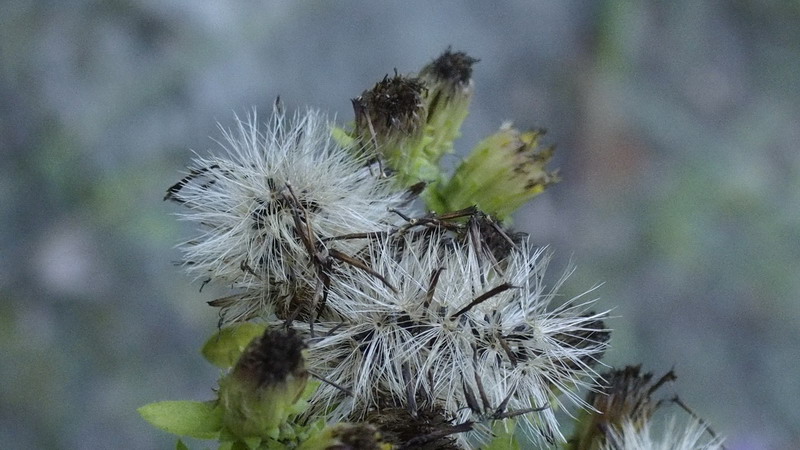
625,397
423,429
274,208
390,121
453,70
391,111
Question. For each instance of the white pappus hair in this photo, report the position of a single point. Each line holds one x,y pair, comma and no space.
692,435
475,336
274,201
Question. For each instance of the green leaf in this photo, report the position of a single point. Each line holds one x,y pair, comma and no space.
201,420
252,443
504,438
238,445
226,345
181,446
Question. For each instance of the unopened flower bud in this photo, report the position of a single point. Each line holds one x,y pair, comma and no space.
392,109
390,119
266,385
412,122
448,80
503,172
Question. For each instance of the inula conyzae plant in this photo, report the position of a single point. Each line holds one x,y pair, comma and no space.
378,302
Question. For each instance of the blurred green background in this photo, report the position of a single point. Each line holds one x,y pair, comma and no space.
677,124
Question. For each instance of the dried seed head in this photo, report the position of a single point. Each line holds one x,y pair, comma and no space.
692,435
275,206
426,429
453,327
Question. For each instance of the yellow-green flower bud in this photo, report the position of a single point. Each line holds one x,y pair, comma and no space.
503,172
265,386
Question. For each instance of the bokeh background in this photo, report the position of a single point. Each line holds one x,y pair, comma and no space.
677,124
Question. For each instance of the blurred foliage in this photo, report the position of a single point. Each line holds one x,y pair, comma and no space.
677,125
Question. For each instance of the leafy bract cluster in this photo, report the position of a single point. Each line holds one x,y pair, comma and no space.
443,312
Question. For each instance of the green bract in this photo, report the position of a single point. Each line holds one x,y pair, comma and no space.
226,345
201,420
501,174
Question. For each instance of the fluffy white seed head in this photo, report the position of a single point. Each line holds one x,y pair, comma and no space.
269,205
454,328
692,435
